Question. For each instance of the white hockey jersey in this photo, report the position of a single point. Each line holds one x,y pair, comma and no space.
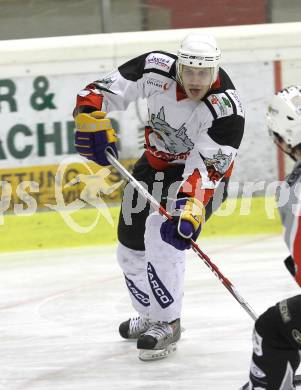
205,135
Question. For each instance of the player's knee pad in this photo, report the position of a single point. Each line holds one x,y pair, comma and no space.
130,260
152,229
153,221
158,251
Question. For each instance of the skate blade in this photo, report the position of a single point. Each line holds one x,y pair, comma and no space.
147,355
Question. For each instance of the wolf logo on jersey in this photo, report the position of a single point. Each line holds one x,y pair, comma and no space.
175,140
220,161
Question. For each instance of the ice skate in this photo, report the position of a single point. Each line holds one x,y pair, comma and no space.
159,340
134,327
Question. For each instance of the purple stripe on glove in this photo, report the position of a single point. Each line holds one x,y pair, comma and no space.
97,145
169,233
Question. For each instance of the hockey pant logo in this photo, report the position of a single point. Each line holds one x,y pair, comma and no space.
138,294
160,292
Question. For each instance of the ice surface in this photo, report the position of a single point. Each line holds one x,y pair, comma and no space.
60,312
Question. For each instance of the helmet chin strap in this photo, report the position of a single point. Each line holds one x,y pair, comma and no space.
290,154
179,78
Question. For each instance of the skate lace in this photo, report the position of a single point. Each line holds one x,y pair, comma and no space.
137,323
159,329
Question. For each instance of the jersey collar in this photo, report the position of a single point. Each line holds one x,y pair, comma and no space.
180,93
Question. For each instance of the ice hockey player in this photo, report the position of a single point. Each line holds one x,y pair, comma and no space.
194,130
277,332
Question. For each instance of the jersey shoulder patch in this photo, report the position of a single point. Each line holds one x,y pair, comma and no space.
233,95
159,61
225,104
220,105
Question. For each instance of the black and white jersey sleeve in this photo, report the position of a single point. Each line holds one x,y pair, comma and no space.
140,77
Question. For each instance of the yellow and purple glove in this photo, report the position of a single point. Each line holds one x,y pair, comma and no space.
94,135
185,225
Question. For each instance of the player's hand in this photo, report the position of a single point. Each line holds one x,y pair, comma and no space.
94,135
185,224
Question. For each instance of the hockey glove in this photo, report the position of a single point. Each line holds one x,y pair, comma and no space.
94,135
185,224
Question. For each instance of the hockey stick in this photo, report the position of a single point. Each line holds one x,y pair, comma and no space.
156,205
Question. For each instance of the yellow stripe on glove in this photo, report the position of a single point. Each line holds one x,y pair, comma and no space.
94,122
193,212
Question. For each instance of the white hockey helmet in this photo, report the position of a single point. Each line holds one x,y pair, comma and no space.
199,50
284,115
